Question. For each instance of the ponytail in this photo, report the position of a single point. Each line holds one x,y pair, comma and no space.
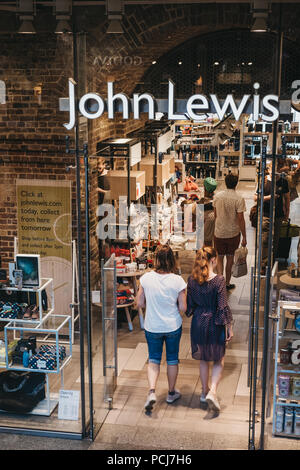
200,270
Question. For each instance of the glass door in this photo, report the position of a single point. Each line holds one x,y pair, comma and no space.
109,329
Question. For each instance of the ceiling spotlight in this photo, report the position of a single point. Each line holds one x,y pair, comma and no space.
259,25
26,10
63,26
260,16
250,63
115,27
27,26
114,11
153,62
216,63
179,62
63,11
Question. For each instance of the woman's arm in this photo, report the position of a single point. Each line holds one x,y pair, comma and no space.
140,298
182,301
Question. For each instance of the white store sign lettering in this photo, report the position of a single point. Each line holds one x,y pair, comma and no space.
197,103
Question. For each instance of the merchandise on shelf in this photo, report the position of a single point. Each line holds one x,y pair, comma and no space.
28,344
10,349
12,310
125,297
287,420
21,391
46,357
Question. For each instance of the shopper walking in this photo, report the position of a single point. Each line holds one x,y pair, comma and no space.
282,211
229,225
210,186
164,294
211,326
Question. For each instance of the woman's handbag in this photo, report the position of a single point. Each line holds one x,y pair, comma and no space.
253,216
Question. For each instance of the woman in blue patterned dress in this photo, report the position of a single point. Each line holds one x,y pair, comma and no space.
211,326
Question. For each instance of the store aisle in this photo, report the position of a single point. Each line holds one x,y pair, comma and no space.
181,425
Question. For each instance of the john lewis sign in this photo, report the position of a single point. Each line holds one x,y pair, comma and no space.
92,105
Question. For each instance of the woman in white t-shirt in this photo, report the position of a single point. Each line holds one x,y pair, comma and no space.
163,293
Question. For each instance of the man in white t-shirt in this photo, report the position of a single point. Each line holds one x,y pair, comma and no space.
163,293
229,209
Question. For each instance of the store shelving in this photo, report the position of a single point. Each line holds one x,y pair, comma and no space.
48,328
286,405
50,325
46,283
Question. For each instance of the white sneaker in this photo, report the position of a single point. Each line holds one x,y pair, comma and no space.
151,400
172,398
213,402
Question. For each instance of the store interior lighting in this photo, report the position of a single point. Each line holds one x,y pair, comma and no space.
26,10
63,11
260,16
63,26
259,25
115,27
27,27
114,11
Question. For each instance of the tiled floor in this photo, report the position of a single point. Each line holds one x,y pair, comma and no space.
183,424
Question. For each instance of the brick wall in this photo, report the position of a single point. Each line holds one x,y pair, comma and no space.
32,138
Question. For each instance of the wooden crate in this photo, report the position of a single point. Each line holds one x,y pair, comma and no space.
117,181
163,171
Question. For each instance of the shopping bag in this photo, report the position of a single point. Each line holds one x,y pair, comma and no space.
239,268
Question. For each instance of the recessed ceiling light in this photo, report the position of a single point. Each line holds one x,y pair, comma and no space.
250,63
216,63
179,63
154,62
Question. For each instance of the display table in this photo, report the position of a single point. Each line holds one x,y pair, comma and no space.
126,307
134,275
290,281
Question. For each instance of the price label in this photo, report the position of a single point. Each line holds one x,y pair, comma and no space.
68,405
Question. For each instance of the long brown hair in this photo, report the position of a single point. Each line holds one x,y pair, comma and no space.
200,270
165,259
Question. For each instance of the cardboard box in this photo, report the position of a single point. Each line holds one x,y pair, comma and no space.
117,181
171,160
163,171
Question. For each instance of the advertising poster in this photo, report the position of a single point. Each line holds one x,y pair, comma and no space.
45,228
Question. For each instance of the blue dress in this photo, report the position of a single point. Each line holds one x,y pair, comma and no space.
208,304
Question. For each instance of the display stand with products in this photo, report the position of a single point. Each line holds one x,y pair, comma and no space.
123,182
35,340
286,392
18,314
40,357
158,164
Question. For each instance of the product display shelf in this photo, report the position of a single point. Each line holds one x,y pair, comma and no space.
45,283
50,325
286,407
